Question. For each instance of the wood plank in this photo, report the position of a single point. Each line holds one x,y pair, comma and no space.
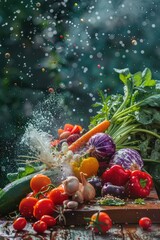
133,232
129,213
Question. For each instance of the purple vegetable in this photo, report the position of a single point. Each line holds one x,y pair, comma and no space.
96,183
101,146
116,191
127,158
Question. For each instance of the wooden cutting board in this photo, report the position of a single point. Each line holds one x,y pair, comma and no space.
129,213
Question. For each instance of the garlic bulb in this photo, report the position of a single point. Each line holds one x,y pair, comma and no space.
71,185
88,190
78,197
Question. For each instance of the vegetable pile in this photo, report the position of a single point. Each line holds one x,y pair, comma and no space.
107,164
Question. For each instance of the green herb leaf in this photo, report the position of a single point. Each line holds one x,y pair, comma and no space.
139,201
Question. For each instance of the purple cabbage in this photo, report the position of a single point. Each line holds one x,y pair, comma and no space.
127,158
101,146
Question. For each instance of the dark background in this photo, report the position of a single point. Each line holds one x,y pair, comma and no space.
69,47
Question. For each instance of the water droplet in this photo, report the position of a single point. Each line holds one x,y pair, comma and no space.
7,55
134,42
50,90
38,4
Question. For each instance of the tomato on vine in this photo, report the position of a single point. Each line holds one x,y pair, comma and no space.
26,206
44,206
38,182
57,195
100,222
19,223
145,223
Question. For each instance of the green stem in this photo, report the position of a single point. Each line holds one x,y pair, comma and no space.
146,131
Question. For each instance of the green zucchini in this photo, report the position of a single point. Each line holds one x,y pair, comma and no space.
12,194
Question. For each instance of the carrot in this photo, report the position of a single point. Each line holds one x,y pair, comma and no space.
101,127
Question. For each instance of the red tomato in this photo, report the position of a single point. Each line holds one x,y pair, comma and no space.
145,223
49,220
26,206
100,222
39,226
19,223
39,181
57,195
68,127
44,206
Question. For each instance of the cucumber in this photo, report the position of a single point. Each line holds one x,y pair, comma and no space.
12,194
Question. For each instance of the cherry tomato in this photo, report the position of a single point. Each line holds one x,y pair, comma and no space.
44,206
145,223
49,220
68,127
39,226
39,181
57,195
26,206
19,223
100,222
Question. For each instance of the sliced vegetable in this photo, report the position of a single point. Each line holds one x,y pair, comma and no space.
139,184
80,142
127,158
116,175
101,146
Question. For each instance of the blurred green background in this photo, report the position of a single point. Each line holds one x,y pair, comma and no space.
69,47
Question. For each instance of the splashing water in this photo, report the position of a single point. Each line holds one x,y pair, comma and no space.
40,131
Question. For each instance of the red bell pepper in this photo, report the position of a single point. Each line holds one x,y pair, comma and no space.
116,175
139,184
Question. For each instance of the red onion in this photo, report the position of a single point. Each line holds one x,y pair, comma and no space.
101,146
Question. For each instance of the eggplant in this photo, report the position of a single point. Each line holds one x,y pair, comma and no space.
97,184
116,191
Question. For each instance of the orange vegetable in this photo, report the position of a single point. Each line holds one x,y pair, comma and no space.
80,142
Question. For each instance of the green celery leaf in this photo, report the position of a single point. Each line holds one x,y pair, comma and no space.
137,78
124,74
147,78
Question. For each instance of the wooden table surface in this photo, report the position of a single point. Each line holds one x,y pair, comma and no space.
117,232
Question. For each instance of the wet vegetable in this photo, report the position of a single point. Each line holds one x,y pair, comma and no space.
101,146
117,175
139,184
127,158
80,142
116,191
96,183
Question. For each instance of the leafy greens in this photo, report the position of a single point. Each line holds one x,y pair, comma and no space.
134,115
